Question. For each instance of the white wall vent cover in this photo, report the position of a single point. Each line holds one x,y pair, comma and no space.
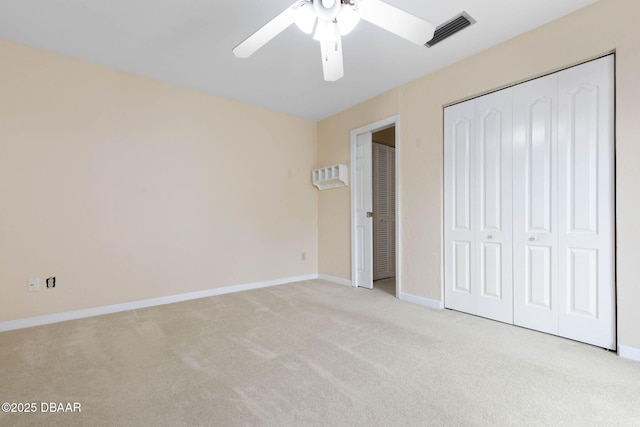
330,177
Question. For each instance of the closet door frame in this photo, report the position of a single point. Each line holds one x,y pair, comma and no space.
563,230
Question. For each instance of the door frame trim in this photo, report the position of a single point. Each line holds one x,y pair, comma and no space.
373,127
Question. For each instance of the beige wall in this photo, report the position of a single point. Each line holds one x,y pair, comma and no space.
126,189
334,234
598,29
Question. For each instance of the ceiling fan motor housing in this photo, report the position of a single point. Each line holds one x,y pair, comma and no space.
327,9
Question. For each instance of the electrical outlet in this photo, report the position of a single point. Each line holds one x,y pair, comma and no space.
34,284
51,282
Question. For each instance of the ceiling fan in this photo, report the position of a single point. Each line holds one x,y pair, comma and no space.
333,19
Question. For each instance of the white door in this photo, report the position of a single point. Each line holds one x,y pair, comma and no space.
364,212
478,207
459,239
492,184
535,210
563,211
383,211
556,223
585,203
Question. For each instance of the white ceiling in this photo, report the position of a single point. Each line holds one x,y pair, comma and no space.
189,42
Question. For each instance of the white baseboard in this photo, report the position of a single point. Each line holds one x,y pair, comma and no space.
629,352
431,303
133,305
336,280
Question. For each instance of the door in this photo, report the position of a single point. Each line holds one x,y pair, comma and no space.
364,211
561,204
563,217
585,203
535,210
383,211
478,213
492,185
459,257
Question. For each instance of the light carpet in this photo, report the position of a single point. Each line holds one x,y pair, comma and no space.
311,353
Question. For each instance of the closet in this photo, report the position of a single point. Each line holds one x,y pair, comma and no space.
384,211
529,204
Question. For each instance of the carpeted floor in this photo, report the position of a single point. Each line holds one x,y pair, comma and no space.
310,353
386,285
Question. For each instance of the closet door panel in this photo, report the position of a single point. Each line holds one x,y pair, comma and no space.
538,165
538,280
535,243
383,239
586,200
493,188
462,160
459,210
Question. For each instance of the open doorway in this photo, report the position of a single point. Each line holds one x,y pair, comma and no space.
374,206
384,209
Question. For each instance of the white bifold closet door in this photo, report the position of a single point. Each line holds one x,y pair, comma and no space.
478,207
563,225
384,211
553,242
535,204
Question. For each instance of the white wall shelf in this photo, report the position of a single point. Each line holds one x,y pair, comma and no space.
330,177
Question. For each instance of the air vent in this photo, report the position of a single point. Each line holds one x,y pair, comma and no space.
450,27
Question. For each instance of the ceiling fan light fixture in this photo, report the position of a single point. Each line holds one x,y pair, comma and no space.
305,17
348,19
326,31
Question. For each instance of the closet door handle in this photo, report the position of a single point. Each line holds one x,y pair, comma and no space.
490,237
533,238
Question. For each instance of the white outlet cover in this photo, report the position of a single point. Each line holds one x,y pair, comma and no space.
34,284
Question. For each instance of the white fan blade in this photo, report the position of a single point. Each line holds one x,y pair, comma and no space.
332,66
397,21
258,39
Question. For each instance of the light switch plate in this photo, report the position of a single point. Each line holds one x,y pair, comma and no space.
34,284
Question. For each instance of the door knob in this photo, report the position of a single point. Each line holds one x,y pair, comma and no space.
490,237
533,238
369,214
